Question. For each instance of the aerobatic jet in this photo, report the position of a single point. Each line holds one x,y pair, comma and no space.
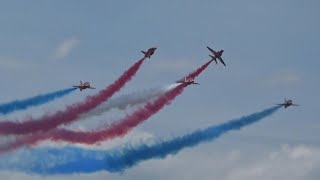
187,82
288,103
149,52
85,85
216,55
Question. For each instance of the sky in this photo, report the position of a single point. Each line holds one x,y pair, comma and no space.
272,52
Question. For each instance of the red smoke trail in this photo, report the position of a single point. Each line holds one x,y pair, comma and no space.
119,128
197,72
72,112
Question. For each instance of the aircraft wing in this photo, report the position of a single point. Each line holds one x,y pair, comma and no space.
221,60
211,50
295,105
92,88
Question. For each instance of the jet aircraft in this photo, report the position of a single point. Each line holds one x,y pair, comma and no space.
85,85
216,55
149,52
288,103
187,82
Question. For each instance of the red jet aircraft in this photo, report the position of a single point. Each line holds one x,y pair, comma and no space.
85,85
216,55
187,82
149,52
287,103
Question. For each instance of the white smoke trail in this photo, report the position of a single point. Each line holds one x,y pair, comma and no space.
128,100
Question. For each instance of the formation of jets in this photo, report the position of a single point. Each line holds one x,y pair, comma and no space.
85,85
287,103
186,81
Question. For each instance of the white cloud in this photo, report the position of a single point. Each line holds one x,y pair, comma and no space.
297,162
65,48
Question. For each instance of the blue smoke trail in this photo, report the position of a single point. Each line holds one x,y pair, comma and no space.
76,160
33,101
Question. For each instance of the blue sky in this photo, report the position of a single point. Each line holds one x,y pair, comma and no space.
271,51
